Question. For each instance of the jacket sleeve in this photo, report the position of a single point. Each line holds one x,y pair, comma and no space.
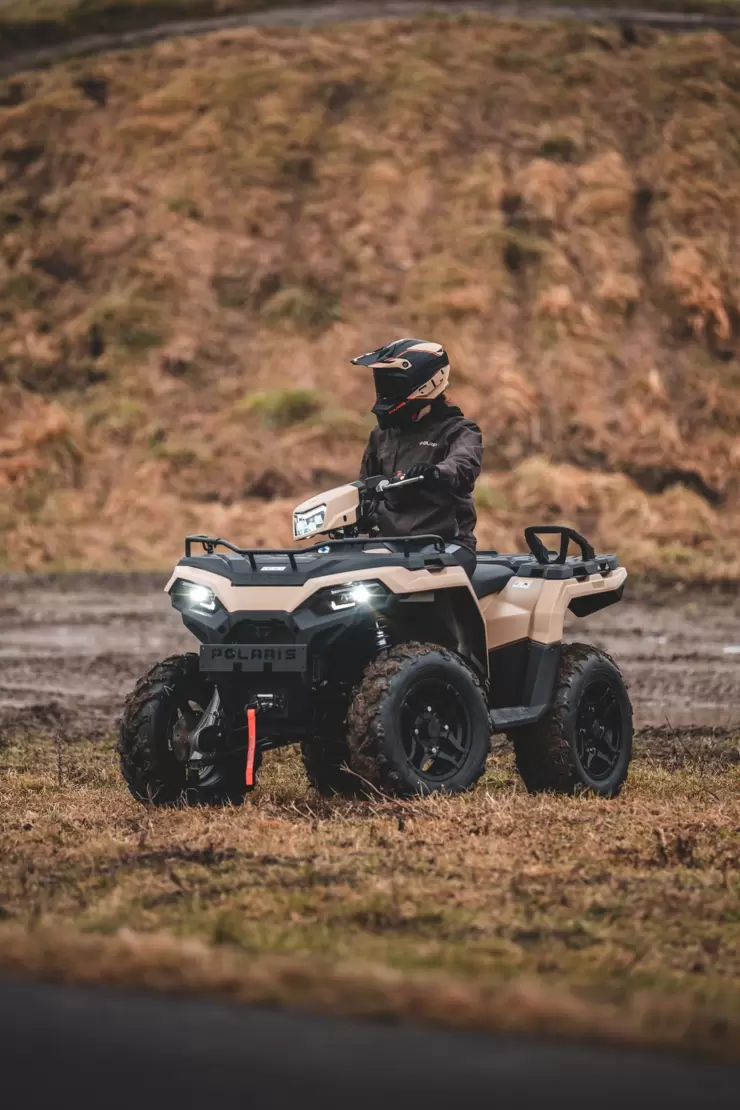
462,464
369,466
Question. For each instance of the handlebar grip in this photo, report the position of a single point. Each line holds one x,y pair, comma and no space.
390,483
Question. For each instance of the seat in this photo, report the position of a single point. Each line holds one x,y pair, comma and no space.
490,578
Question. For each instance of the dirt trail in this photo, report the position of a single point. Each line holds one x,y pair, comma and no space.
72,646
356,10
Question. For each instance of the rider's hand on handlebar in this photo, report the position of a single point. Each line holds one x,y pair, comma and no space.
430,474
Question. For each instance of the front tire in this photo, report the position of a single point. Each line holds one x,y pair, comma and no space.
326,757
418,723
584,743
168,692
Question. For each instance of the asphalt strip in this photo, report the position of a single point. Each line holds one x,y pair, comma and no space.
93,1047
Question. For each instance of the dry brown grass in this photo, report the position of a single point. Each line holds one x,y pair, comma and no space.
583,918
212,218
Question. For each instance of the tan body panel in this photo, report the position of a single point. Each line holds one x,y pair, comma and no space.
535,608
287,599
341,503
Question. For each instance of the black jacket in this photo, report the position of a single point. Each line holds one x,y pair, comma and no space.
443,438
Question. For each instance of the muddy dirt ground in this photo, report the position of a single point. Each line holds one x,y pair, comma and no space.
73,645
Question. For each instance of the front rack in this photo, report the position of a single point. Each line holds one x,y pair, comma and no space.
405,545
210,543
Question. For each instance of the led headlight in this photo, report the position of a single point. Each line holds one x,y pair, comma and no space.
188,596
309,521
354,595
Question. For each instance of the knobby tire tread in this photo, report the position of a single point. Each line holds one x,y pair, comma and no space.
365,729
544,757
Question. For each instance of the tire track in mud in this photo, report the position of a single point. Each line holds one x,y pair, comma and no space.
346,11
73,646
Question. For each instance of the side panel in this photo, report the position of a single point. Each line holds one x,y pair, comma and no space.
535,608
522,674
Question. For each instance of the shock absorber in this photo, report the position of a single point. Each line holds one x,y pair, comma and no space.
382,642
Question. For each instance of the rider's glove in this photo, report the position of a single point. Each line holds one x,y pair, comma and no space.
430,474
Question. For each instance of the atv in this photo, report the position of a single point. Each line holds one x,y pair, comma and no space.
383,660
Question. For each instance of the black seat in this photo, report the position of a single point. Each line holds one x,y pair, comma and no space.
490,578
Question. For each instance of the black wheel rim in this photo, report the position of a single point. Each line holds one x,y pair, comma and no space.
599,729
435,730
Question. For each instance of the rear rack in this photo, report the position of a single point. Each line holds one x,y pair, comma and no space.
405,545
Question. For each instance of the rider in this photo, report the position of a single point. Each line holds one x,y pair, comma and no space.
419,434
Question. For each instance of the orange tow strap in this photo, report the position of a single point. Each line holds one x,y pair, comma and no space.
252,724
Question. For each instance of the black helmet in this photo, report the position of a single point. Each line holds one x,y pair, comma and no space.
408,373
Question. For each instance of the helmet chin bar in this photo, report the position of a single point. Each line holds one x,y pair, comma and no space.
399,414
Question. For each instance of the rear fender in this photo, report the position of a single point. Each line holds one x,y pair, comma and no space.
534,608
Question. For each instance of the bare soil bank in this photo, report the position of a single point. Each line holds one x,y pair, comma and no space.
196,238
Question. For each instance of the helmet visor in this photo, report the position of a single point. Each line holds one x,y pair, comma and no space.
391,385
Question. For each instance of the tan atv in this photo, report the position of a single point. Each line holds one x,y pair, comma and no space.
383,661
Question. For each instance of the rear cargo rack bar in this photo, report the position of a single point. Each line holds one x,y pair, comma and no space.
407,545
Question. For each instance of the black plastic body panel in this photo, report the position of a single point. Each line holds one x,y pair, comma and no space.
593,603
522,678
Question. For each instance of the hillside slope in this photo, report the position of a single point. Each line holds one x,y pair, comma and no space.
196,238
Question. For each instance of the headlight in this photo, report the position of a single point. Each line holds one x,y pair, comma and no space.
188,596
309,521
351,595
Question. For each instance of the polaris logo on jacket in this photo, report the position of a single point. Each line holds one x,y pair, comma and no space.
427,443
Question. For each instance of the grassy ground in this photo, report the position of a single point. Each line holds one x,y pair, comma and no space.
197,237
496,910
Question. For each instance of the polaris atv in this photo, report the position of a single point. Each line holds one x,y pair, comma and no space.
380,657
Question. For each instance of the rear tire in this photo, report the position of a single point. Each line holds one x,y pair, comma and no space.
148,764
418,723
584,743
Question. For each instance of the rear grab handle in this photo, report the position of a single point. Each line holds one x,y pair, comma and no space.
543,555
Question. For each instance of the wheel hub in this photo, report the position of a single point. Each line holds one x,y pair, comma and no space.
430,731
180,740
435,729
599,729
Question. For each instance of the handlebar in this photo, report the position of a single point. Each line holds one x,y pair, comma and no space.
390,483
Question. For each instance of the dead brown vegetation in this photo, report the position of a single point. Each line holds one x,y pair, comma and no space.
213,219
579,918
